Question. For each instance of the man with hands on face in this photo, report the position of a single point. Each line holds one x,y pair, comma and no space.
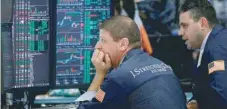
127,77
102,64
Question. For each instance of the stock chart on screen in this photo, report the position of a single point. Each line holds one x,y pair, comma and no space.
77,33
28,45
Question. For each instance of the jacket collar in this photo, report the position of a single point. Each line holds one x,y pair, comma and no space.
216,29
131,53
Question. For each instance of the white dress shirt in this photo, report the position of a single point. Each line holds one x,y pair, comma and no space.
202,49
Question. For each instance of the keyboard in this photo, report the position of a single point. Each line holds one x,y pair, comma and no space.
59,106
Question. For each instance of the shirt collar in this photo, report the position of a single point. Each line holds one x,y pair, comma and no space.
205,41
202,49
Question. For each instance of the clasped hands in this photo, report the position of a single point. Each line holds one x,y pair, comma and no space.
101,62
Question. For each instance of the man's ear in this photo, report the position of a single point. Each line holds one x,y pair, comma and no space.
204,23
124,44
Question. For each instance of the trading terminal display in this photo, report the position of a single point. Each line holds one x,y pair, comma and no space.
29,44
77,33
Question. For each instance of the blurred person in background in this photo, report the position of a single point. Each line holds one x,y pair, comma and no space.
220,7
129,8
159,16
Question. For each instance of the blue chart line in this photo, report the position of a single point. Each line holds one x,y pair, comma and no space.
68,60
67,21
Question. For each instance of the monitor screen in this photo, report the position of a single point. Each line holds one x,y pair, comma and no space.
77,32
26,45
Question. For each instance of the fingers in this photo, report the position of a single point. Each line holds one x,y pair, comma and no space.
96,53
94,56
192,105
97,57
107,58
101,62
100,56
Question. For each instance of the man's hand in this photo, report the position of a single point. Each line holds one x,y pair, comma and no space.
192,105
101,62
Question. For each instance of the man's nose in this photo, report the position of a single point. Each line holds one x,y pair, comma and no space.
98,45
180,33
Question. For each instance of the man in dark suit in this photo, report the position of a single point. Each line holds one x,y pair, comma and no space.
199,28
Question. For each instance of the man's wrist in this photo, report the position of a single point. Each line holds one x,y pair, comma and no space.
101,73
96,83
101,76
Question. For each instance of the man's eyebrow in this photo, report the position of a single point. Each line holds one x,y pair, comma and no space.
182,23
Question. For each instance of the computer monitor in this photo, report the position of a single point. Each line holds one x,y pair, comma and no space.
77,32
26,46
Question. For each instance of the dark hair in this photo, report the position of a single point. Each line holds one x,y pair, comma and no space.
200,8
122,27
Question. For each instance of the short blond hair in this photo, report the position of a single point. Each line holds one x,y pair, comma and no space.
122,27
